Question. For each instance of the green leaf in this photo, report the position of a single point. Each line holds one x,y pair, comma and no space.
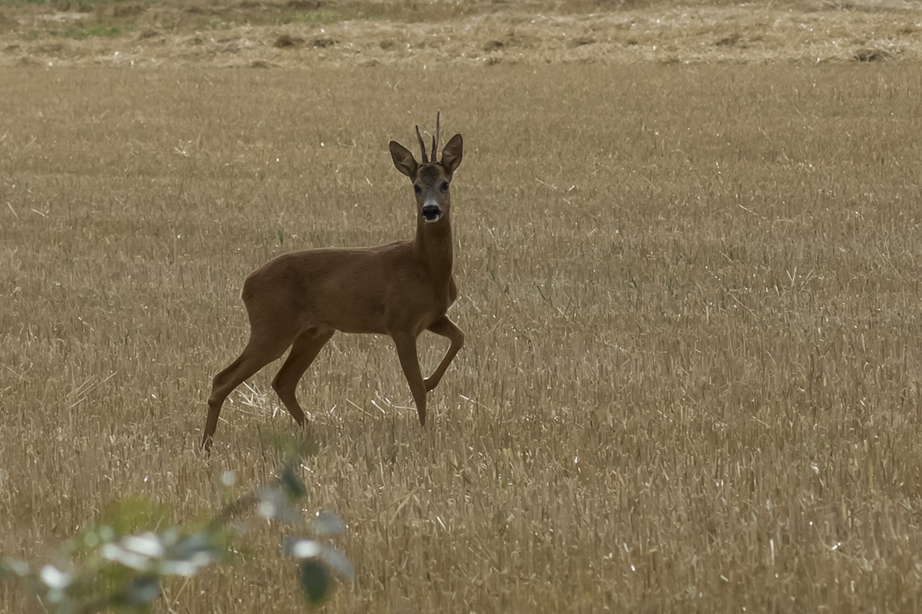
292,483
143,590
327,523
274,504
338,562
315,581
301,548
135,514
10,567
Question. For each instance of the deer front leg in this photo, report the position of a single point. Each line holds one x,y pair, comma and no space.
406,352
446,328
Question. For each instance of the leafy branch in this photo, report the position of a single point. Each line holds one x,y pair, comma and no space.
124,571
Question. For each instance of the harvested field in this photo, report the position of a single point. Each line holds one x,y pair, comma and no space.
413,35
689,274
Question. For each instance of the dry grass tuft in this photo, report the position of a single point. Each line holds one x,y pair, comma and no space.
873,55
287,40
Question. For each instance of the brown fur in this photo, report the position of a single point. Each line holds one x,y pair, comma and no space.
301,299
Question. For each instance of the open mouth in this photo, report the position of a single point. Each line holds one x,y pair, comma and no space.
432,217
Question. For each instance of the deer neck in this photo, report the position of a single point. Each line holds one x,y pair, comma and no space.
433,247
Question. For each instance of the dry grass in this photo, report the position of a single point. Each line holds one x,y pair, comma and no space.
691,298
409,34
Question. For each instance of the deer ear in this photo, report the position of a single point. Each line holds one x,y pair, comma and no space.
403,160
451,155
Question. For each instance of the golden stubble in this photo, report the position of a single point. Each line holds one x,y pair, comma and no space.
690,293
349,33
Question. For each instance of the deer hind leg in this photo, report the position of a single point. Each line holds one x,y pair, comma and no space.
446,328
303,352
406,352
254,357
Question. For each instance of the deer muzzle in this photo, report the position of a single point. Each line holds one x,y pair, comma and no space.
432,213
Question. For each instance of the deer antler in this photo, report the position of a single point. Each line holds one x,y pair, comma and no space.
422,146
435,139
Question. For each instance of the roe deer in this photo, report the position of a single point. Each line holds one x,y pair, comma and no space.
301,299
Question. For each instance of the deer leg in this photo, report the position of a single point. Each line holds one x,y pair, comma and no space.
303,352
253,358
406,352
446,328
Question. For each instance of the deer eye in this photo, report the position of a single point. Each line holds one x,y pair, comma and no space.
444,186
417,189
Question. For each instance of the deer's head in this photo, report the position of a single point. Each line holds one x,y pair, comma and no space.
431,180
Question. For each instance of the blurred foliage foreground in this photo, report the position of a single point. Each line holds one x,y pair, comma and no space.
109,565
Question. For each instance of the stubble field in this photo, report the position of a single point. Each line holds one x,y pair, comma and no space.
690,291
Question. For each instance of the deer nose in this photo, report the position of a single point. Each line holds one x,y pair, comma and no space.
432,213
